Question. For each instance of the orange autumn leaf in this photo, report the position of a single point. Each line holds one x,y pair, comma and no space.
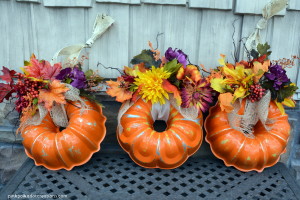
260,66
54,94
172,89
225,100
117,90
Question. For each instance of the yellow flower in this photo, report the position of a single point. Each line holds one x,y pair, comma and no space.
151,83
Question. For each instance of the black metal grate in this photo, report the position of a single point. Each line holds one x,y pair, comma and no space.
114,176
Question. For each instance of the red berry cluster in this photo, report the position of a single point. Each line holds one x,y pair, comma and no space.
256,92
26,88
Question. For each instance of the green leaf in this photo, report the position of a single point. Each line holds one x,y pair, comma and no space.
35,101
146,57
286,91
132,87
68,81
26,63
263,49
89,73
172,66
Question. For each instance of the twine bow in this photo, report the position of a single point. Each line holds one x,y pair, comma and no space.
102,23
270,9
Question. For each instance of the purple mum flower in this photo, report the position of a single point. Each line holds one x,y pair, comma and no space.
171,54
78,77
63,74
278,75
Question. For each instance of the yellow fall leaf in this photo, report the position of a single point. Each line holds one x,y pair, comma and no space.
218,85
280,107
222,60
288,102
239,93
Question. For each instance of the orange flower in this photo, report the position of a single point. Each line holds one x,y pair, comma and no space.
191,71
54,94
119,89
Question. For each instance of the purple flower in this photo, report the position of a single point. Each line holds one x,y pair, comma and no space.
171,54
197,94
278,75
63,74
78,77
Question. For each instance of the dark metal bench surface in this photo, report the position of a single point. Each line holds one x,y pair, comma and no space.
116,176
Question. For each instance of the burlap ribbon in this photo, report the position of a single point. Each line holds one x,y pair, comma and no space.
270,9
253,112
57,112
160,111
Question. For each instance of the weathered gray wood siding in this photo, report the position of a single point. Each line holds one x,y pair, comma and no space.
201,28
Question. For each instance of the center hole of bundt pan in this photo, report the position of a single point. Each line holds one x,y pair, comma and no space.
159,125
61,128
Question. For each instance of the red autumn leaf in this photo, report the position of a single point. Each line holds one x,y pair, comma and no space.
50,72
172,89
7,74
5,91
42,69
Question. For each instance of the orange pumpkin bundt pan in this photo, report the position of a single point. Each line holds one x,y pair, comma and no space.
244,153
151,149
71,147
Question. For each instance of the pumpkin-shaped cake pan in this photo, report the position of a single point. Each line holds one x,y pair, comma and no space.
246,153
151,149
73,146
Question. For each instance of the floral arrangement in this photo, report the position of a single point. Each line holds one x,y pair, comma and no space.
154,78
252,79
43,84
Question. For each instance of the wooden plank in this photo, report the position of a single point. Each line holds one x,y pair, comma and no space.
30,1
144,29
220,4
120,1
294,5
182,32
56,28
112,48
68,3
216,36
252,7
16,35
285,40
165,2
